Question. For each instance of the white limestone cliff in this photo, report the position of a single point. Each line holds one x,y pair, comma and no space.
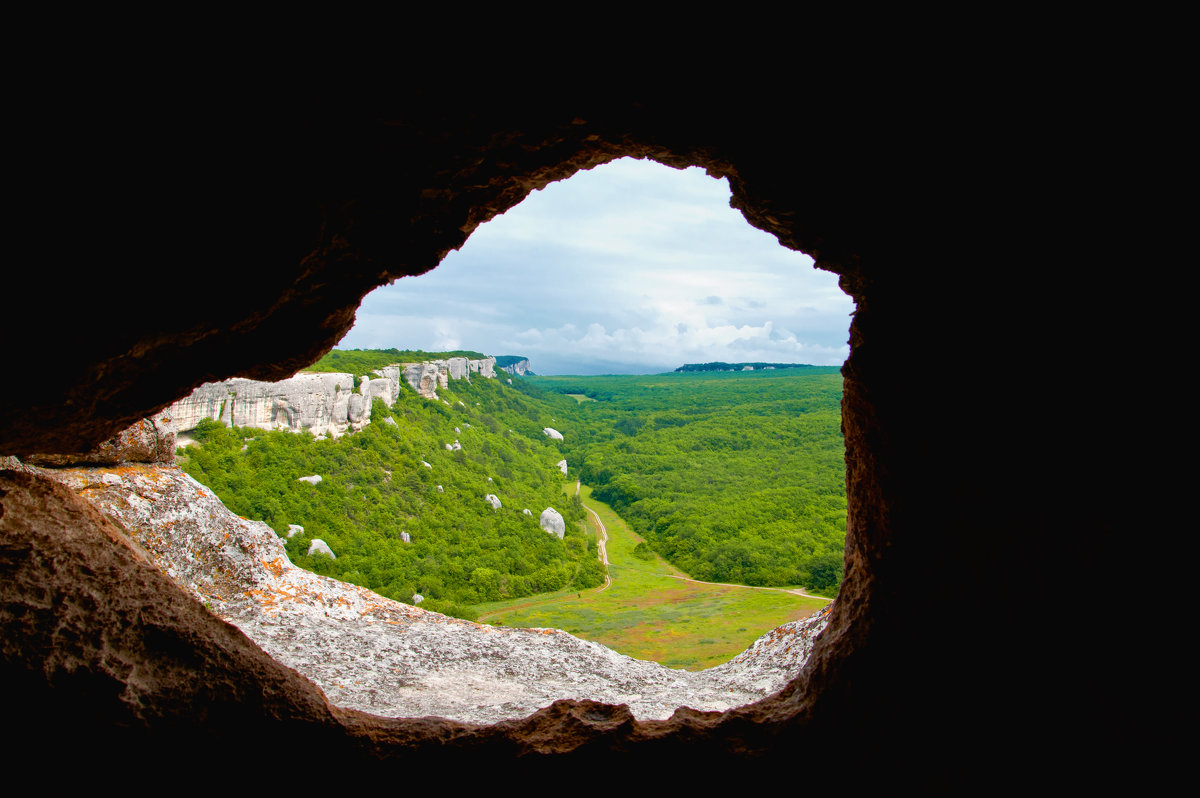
325,403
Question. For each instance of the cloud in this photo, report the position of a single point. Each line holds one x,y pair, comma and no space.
628,267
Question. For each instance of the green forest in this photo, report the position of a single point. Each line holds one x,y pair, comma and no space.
730,476
363,361
375,486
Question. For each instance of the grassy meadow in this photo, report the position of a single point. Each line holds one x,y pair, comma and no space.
648,614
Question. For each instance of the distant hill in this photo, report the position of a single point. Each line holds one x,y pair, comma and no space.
719,366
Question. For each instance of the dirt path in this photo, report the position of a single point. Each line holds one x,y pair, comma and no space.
601,541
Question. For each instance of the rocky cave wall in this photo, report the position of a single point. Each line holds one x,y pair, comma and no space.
105,654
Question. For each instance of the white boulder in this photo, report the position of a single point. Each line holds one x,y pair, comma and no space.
493,500
319,546
562,466
295,529
527,511
552,521
312,480
552,433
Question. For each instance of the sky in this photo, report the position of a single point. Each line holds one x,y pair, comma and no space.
628,268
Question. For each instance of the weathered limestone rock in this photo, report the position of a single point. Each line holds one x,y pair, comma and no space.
553,522
318,546
493,500
418,598
324,403
386,657
147,441
390,420
427,465
527,511
425,378
553,433
295,529
311,480
407,538
562,466
439,489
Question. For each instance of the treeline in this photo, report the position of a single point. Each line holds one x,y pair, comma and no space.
733,477
376,487
364,361
721,366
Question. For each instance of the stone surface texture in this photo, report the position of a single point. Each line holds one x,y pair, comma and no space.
381,656
553,434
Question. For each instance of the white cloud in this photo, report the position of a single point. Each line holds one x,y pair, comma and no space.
631,266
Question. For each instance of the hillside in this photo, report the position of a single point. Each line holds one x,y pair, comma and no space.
732,477
401,503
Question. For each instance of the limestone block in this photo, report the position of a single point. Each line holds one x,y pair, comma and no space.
552,521
319,546
295,529
312,480
552,433
493,500
562,466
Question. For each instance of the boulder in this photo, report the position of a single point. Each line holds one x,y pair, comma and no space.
407,538
440,489
319,546
427,465
527,511
312,480
562,466
493,500
552,521
390,420
552,433
295,529
418,598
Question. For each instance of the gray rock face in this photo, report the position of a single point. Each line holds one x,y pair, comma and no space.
318,546
493,500
313,480
418,598
295,529
390,420
388,658
562,466
552,433
427,465
552,521
407,538
325,404
440,489
527,511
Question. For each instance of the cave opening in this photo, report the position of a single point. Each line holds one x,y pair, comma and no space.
683,323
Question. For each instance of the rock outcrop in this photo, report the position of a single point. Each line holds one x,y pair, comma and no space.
314,479
147,441
387,658
552,521
562,466
493,500
552,433
425,378
518,368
